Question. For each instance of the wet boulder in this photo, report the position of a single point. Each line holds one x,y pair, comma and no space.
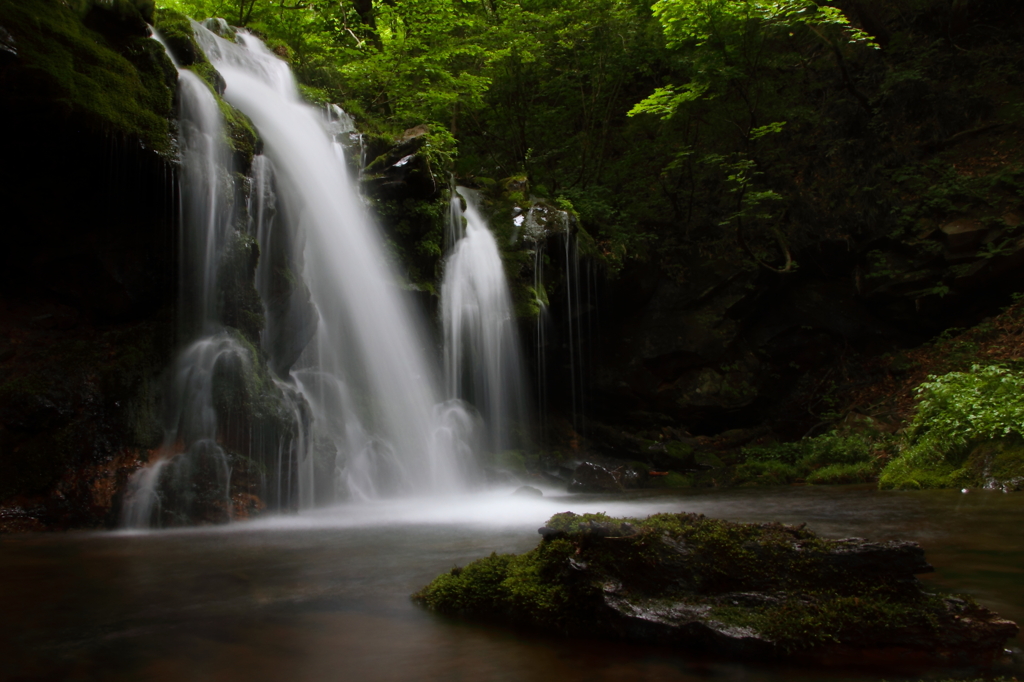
528,491
598,474
402,169
594,478
754,590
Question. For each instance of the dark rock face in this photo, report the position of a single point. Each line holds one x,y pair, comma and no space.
407,186
752,590
89,269
401,171
87,272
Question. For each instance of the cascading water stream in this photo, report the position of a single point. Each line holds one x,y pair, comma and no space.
564,329
540,336
190,464
481,343
379,426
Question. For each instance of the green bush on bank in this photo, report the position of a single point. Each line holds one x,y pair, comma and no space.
967,430
828,459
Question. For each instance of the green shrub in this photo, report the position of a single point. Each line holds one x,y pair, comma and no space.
830,458
956,412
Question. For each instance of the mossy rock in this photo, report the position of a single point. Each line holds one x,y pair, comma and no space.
239,302
179,35
176,30
904,476
759,590
91,63
998,464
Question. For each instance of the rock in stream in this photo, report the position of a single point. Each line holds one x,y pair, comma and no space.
753,590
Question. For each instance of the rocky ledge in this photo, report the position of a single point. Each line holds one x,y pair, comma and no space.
752,590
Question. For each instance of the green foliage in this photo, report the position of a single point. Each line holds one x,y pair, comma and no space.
828,459
769,472
939,192
955,411
767,126
828,448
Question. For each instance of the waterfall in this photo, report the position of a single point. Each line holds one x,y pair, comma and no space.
378,424
355,409
564,329
481,343
190,474
540,335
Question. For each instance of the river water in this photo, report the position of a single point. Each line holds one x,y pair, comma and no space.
325,595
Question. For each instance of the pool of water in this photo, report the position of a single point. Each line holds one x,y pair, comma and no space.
325,595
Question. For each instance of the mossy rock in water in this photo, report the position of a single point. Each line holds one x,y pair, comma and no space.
761,590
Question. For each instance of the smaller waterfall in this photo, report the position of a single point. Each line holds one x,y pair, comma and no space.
206,213
190,465
540,340
481,343
572,319
189,477
564,326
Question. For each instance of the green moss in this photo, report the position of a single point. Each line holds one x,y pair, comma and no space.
416,228
828,617
516,189
679,450
253,413
838,474
766,473
828,448
176,30
528,588
904,474
241,136
998,463
477,588
112,79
